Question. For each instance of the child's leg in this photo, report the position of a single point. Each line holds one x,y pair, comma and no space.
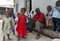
24,37
3,38
18,38
38,35
13,31
9,37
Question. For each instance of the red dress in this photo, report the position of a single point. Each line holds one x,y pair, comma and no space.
21,26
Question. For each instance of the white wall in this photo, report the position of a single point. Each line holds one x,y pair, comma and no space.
42,4
20,5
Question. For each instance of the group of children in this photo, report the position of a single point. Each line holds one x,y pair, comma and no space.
21,25
37,21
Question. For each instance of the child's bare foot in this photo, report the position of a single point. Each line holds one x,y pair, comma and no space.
3,40
24,37
18,39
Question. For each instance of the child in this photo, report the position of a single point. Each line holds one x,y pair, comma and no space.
21,26
56,17
13,24
6,26
16,19
31,22
49,17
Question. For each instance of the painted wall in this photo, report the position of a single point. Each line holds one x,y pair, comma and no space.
19,6
42,4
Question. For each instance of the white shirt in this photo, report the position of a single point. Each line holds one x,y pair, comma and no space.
49,15
16,19
31,15
56,14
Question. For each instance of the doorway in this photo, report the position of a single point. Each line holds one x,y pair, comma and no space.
28,5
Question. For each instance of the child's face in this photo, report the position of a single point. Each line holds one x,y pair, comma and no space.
58,4
7,14
22,11
49,9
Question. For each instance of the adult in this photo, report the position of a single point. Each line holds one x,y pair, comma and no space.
39,19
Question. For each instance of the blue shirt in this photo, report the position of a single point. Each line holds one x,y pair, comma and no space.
56,13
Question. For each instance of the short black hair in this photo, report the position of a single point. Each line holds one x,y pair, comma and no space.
37,9
49,6
24,9
57,2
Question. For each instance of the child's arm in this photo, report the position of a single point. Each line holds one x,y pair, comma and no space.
11,24
3,25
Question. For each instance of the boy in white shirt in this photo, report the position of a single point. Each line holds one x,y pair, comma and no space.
56,17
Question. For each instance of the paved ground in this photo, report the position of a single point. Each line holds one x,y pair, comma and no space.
30,37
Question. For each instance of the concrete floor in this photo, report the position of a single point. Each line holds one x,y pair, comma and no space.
30,37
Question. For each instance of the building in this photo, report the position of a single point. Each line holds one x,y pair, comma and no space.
21,3
28,4
33,4
6,5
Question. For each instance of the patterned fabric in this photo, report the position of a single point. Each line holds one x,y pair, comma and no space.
7,26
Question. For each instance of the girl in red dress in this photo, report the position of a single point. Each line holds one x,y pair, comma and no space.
21,26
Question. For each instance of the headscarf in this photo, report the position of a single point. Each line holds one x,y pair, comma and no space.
31,13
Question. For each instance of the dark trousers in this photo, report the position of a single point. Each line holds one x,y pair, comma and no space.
30,25
13,29
56,22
